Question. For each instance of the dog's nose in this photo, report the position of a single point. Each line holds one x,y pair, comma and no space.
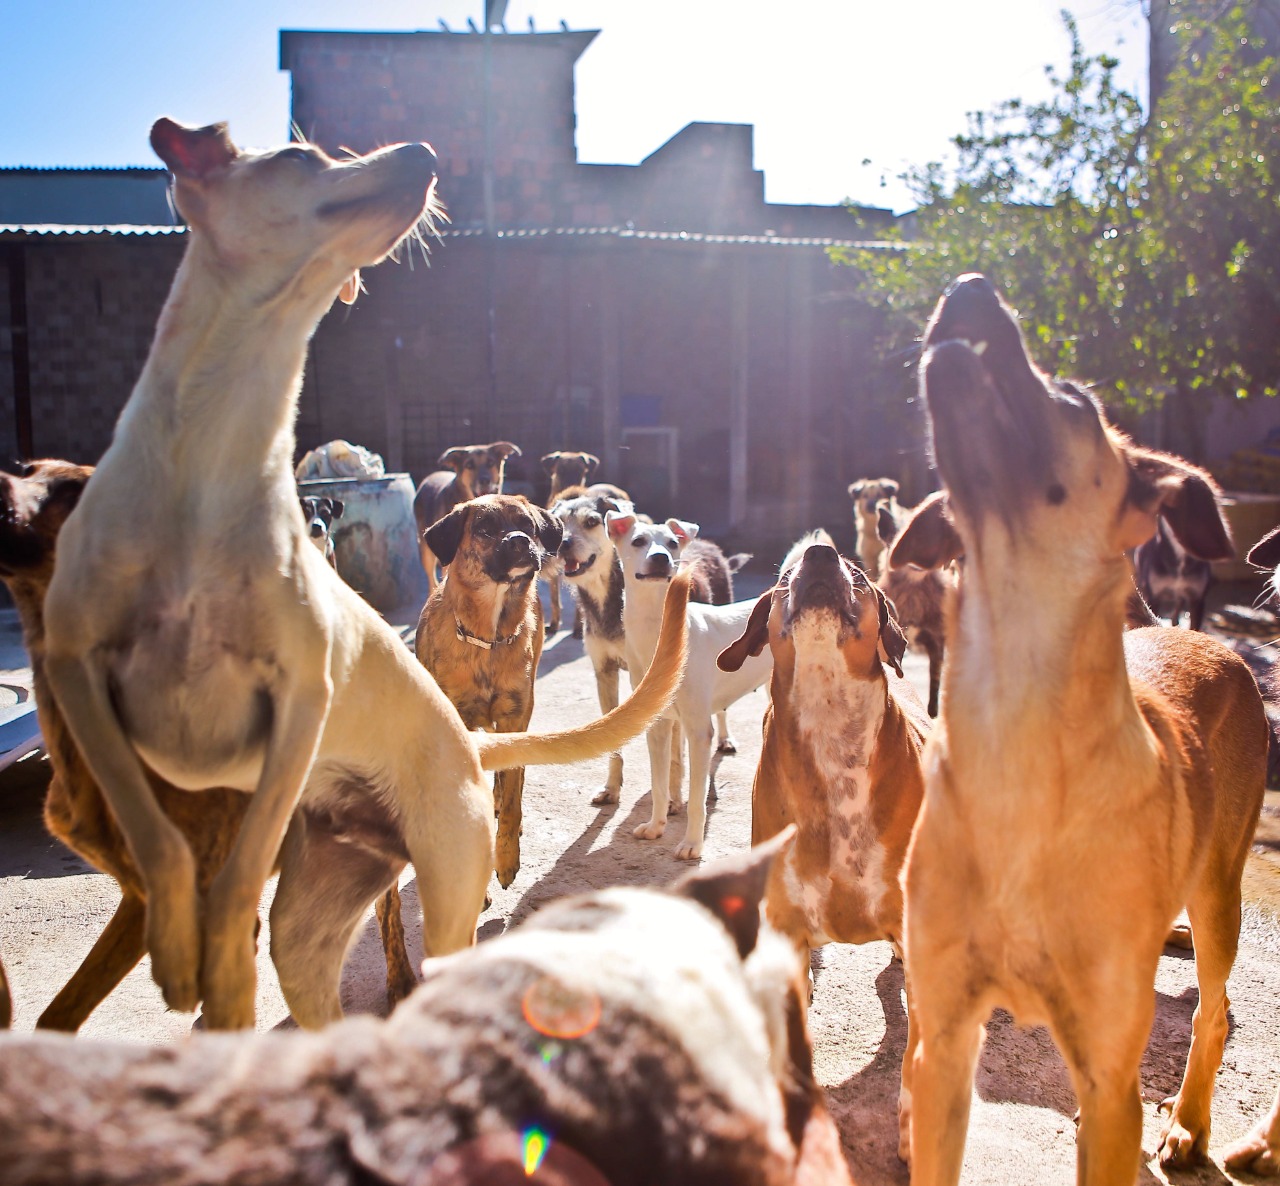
821,554
566,546
660,562
317,528
517,542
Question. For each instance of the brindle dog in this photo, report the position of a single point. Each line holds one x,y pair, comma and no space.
480,633
33,508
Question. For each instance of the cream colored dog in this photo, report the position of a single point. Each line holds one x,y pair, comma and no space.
1083,783
217,648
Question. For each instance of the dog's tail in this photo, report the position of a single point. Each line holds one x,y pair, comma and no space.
502,751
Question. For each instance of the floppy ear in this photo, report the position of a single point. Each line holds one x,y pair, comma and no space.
684,531
338,507
192,152
886,524
754,638
444,536
453,458
592,462
504,449
1187,497
930,538
891,486
893,643
618,523
549,461
1266,552
550,530
733,887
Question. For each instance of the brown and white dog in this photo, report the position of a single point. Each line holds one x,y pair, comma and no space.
469,471
841,754
867,494
480,633
321,512
1083,783
627,1036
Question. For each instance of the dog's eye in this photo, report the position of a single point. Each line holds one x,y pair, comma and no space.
639,543
591,521
298,154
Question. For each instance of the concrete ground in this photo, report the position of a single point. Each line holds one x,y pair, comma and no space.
52,907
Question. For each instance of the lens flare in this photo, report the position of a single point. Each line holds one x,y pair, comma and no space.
559,1010
536,1143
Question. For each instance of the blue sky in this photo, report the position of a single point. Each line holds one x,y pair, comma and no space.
828,84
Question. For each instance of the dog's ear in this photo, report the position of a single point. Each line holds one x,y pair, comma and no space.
886,523
893,643
504,449
453,458
684,531
192,152
855,488
549,461
550,529
754,638
1266,552
338,507
1187,497
444,536
605,505
619,523
890,487
592,462
733,888
930,538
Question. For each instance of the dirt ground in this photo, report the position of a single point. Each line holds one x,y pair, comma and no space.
52,907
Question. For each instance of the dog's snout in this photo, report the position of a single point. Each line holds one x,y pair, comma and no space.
823,554
660,561
317,528
517,541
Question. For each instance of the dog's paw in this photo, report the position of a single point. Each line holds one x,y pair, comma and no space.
675,806
1179,1147
606,796
1180,936
689,850
228,980
727,746
904,1127
651,830
507,862
173,938
1253,1154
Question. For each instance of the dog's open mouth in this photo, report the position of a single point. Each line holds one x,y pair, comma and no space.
572,570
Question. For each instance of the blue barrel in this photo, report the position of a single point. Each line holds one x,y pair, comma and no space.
376,542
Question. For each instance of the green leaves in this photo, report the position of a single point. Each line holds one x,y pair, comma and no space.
1142,249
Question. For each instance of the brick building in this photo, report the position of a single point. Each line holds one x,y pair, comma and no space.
663,315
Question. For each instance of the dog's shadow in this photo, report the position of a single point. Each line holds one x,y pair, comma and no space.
557,650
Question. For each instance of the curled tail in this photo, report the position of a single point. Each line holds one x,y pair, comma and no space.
502,751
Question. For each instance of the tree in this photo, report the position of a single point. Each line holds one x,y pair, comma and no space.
1141,249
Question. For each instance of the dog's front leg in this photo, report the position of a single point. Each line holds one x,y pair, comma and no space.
517,710
607,693
690,848
159,850
553,595
228,975
659,739
1258,1152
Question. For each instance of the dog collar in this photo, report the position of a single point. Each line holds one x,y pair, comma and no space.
465,635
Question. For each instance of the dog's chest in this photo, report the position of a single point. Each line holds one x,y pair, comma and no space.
837,721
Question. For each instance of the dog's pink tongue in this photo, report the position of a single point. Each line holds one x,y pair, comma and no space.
350,289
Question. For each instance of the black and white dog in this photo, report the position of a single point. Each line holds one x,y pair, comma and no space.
1170,579
320,512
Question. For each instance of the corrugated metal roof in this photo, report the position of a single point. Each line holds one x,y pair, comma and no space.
39,230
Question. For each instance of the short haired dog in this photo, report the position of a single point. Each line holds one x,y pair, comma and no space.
469,471
566,469
321,511
650,554
1171,580
220,650
1083,783
626,1036
867,494
1258,1151
480,633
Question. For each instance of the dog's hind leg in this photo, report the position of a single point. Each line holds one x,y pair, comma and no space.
228,974
659,738
112,957
607,693
553,595
690,848
326,885
400,978
159,849
934,648
508,790
1215,927
725,743
1258,1152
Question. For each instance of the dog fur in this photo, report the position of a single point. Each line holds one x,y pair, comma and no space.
566,470
1083,783
33,508
321,512
480,634
650,554
219,649
867,494
646,1036
469,471
1170,579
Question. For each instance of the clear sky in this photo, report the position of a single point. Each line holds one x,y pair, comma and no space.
828,84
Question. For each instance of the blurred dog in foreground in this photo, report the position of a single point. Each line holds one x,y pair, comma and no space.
626,1036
